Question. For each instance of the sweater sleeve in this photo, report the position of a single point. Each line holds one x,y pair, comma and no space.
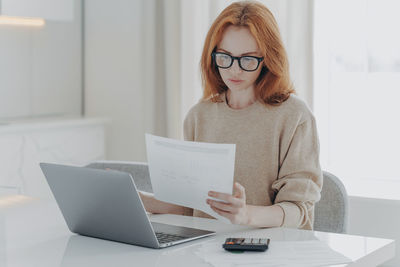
299,182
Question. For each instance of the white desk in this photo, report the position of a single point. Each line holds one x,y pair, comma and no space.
33,233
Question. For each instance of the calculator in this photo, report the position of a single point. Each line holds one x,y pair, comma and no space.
249,244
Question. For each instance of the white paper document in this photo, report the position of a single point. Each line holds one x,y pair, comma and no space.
309,253
183,172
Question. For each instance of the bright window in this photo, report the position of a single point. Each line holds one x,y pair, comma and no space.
357,92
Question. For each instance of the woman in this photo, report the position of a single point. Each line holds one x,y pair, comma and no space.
248,101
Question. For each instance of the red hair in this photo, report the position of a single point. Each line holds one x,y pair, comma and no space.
273,86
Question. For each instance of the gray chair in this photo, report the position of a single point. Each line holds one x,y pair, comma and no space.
138,170
331,212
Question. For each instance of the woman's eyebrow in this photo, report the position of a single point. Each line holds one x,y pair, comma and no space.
244,54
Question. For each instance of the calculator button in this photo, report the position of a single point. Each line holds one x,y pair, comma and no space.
237,240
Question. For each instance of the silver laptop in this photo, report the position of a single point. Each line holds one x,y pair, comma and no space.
106,204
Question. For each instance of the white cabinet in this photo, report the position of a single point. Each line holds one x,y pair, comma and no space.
24,145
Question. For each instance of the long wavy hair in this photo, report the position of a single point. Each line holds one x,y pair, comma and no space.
273,86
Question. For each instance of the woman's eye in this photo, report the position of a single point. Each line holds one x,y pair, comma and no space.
223,57
223,60
247,59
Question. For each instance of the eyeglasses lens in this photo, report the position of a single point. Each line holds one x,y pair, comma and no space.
247,63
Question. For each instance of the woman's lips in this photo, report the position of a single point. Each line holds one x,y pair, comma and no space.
235,81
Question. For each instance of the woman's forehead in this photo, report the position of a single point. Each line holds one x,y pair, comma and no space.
238,40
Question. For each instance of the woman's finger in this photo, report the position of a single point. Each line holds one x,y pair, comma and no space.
223,196
226,197
240,191
222,213
221,205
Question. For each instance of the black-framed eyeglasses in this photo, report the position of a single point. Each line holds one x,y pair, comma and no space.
246,63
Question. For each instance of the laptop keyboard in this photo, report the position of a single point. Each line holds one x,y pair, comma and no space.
166,238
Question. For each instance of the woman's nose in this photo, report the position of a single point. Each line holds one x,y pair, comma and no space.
235,68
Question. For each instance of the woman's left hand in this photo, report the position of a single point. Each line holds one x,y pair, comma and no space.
234,208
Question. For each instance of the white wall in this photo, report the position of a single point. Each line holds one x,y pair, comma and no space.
40,68
113,77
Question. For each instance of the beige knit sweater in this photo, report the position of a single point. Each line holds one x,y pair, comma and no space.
277,153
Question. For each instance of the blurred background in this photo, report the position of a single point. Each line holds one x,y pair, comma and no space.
84,80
